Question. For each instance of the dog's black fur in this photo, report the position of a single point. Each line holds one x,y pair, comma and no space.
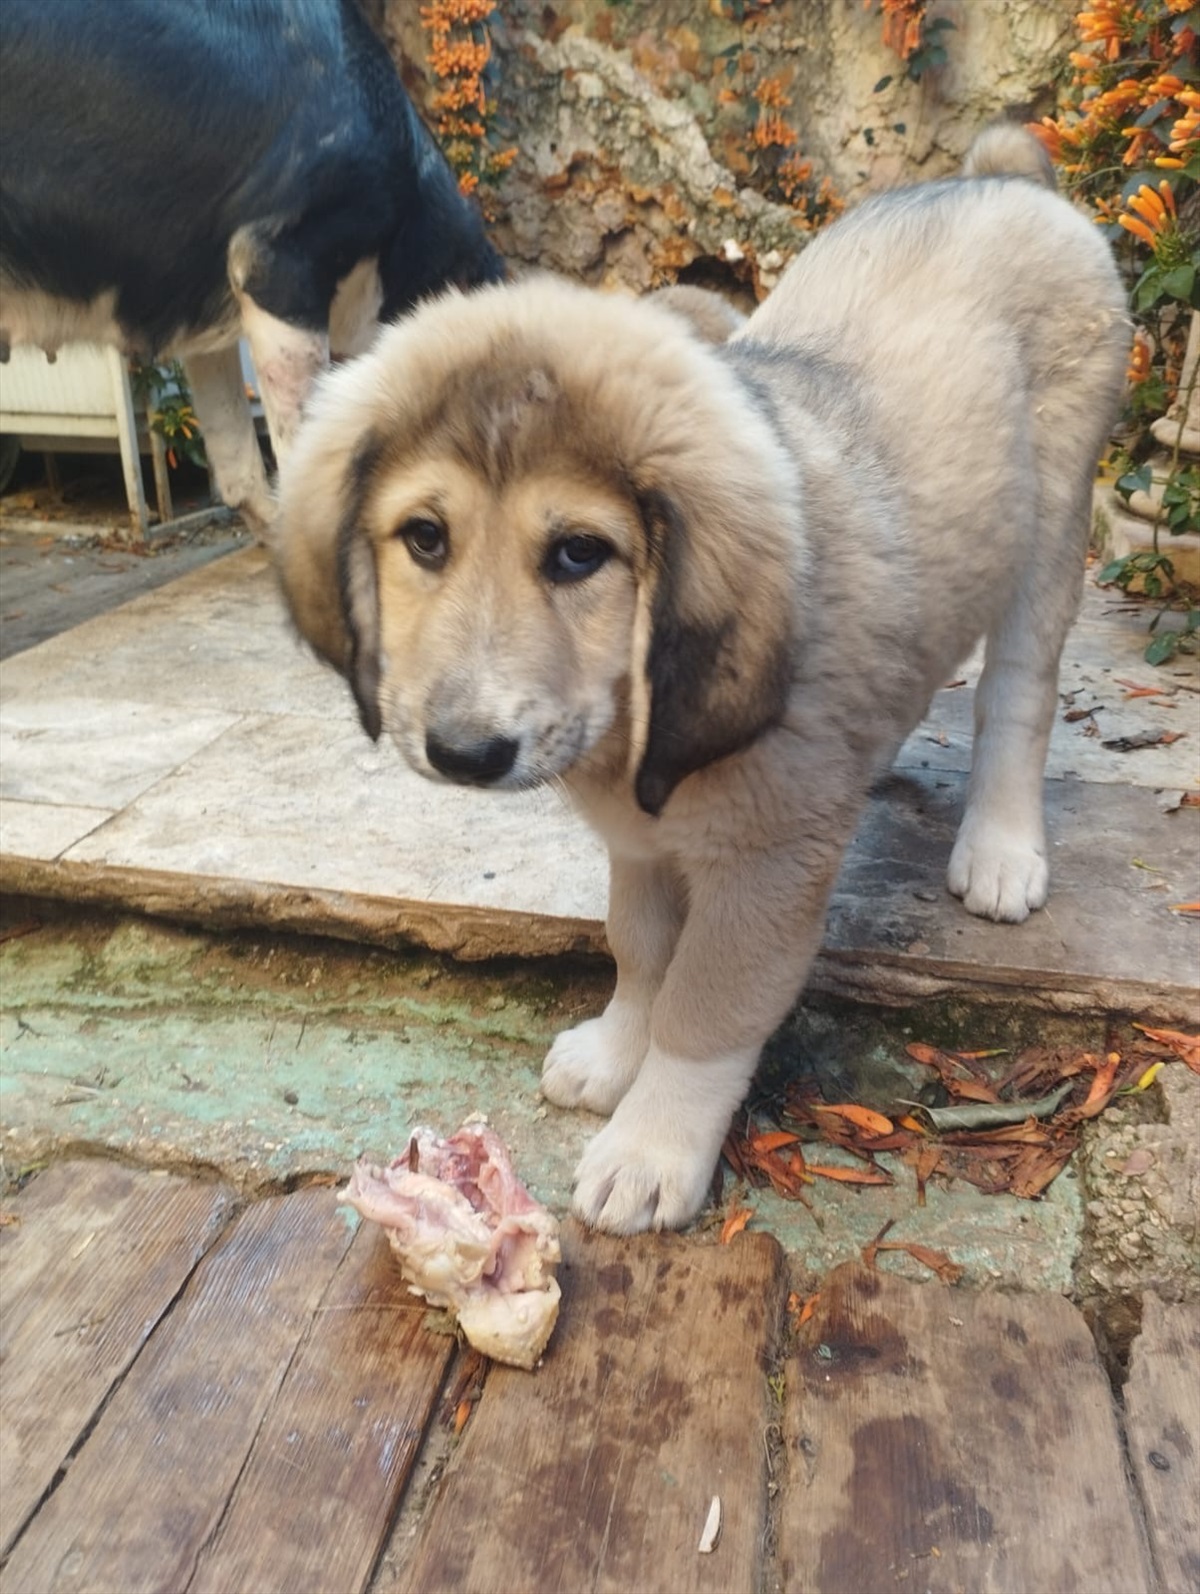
138,137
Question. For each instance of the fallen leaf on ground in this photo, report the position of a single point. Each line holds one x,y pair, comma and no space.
1101,1092
1136,689
865,1117
936,1261
950,1070
1011,1135
851,1175
991,1113
772,1140
1029,1132
1130,744
1183,907
807,1309
1185,1047
974,1090
1036,1168
1151,1074
735,1223
928,1158
768,1157
1040,1069
931,1056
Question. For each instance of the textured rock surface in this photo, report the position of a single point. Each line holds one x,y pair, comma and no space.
634,122
1142,1178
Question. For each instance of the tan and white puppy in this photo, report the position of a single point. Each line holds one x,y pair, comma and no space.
549,534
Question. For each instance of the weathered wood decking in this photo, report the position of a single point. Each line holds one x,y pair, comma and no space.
197,1397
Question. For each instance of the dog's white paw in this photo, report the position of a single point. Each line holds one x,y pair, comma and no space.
999,875
651,1166
594,1064
626,1183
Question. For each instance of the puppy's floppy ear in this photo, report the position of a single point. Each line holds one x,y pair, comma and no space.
326,567
718,652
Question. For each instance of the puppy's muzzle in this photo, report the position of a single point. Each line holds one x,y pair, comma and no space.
472,762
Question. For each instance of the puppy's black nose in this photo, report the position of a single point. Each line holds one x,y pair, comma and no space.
471,763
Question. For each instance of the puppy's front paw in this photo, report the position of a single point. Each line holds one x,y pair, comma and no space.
594,1064
650,1167
999,875
626,1182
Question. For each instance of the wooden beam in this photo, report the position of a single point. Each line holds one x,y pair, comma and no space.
597,1470
942,1439
93,1259
1162,1422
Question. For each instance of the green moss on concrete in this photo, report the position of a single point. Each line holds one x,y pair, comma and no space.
271,1060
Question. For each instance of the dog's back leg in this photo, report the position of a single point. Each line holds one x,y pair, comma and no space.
283,286
998,866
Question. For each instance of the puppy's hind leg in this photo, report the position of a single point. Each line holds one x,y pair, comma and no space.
999,866
594,1064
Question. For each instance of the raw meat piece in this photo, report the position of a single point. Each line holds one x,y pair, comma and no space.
469,1237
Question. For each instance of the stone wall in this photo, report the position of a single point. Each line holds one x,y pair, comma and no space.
634,120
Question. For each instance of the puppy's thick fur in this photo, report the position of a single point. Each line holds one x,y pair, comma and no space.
549,534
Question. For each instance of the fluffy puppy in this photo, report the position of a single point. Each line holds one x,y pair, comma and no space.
549,534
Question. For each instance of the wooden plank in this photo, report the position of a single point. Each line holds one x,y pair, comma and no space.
97,1255
944,1440
1162,1422
318,1494
596,1471
148,1488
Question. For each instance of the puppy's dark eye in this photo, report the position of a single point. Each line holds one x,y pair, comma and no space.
575,558
426,541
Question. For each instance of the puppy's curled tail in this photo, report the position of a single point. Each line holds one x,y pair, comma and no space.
1006,150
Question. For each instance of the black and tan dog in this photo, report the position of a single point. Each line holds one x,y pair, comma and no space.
175,176
554,535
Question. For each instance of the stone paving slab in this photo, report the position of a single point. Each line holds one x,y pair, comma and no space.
184,755
57,572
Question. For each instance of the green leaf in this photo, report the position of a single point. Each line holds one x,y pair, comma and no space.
1148,288
1179,282
1153,113
1135,481
937,24
1162,648
1113,572
882,84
